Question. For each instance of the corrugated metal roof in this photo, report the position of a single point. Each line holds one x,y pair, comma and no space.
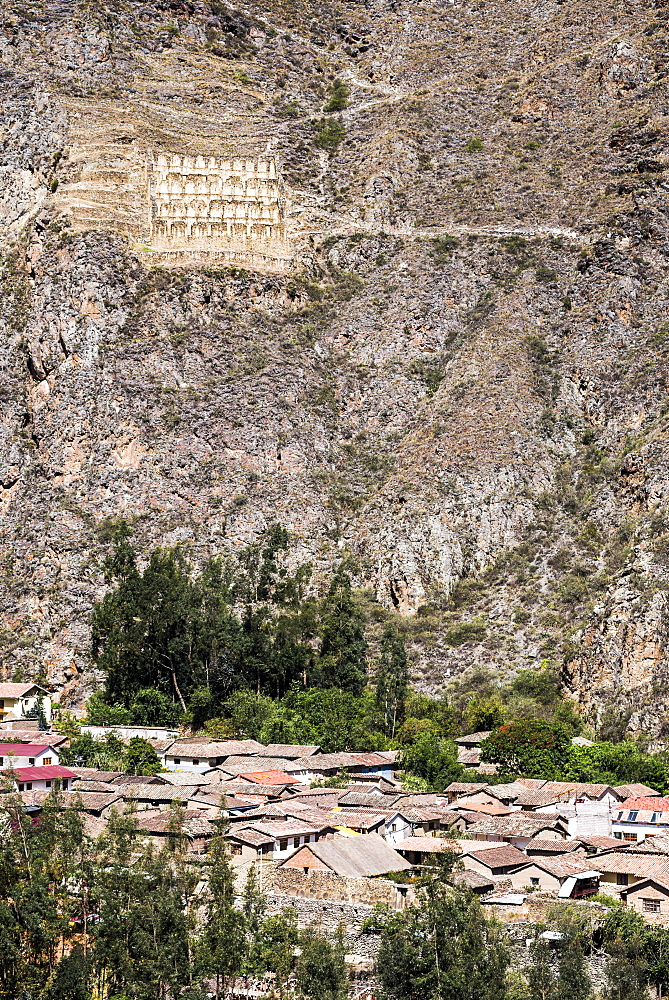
48,771
19,749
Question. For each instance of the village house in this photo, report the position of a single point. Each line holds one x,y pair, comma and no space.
198,755
423,850
637,818
620,869
519,828
495,861
367,856
27,755
195,828
361,766
42,778
648,896
286,835
99,804
21,701
551,874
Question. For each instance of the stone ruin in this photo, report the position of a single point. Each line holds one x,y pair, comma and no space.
210,205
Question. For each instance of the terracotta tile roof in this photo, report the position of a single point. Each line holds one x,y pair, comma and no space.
251,837
194,823
359,857
287,828
517,824
641,865
428,845
481,807
532,782
635,791
474,880
563,867
604,843
17,690
465,786
291,750
94,801
554,846
156,793
365,800
474,737
93,786
92,774
499,857
536,797
267,777
360,819
197,747
185,778
652,803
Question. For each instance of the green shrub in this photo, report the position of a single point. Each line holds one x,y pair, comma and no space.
338,99
463,632
474,146
330,134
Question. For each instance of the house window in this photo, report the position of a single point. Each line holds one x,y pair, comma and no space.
177,760
20,787
196,761
622,879
534,881
31,761
47,760
650,905
2,761
48,784
633,815
283,845
629,836
618,835
236,848
653,818
29,785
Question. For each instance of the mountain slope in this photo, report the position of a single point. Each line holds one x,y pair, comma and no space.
446,354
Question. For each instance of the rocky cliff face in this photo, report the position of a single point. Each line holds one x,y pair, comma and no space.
437,341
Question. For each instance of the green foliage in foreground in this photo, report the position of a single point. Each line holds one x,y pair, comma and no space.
135,923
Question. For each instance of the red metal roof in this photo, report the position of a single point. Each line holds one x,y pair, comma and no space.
268,777
23,749
49,771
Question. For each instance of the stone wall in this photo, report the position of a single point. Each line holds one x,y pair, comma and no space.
319,885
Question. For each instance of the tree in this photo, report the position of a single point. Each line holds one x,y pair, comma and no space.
540,975
223,942
320,970
434,759
342,656
533,748
573,979
483,712
99,713
139,757
392,680
443,948
154,708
